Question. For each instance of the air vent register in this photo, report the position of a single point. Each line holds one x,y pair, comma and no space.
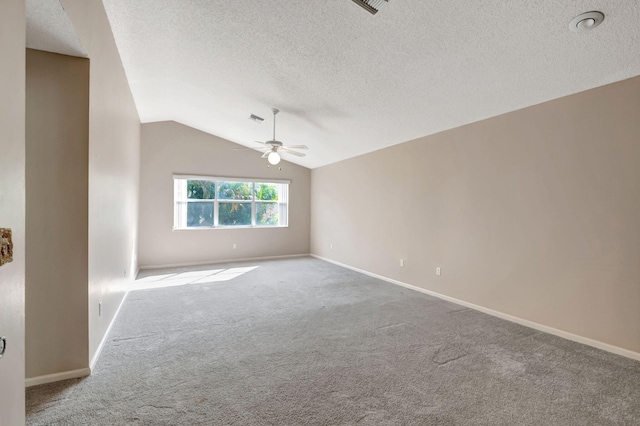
371,6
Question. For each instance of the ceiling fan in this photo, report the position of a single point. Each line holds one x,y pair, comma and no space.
274,147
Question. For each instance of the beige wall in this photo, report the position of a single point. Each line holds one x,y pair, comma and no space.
114,158
534,213
12,207
168,148
57,141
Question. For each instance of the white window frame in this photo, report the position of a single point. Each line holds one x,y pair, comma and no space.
180,202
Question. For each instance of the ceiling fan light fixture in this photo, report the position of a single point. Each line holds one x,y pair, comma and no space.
273,146
273,158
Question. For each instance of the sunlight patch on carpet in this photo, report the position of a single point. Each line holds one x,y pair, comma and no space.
174,279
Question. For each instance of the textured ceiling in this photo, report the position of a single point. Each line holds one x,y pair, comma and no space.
49,29
348,82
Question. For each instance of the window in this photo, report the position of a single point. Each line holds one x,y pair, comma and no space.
216,202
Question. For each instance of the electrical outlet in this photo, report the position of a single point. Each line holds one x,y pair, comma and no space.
438,271
331,246
234,246
402,263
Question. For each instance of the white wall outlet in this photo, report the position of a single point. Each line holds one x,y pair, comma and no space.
99,309
331,246
234,246
438,271
402,263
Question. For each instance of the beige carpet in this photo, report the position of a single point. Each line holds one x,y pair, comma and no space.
304,342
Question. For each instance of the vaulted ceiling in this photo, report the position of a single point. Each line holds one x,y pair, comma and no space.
49,29
348,82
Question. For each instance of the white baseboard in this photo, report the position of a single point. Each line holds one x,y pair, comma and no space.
566,335
50,378
216,262
94,360
83,372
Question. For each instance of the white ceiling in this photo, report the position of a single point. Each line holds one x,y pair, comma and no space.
348,82
49,29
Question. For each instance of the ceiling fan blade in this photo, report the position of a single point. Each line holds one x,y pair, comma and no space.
275,145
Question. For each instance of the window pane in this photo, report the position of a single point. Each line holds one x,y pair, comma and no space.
234,214
201,190
267,191
267,214
234,190
199,214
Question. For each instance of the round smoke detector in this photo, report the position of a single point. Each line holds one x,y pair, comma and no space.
586,21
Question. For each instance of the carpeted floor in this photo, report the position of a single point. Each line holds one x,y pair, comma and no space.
305,342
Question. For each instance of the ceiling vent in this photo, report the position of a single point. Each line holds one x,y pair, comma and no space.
372,6
255,118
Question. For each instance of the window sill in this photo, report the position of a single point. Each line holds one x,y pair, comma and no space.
209,228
